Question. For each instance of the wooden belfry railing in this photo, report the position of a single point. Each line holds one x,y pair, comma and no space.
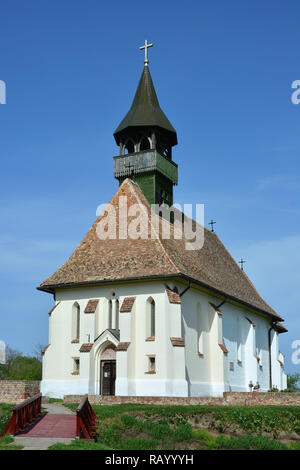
86,420
23,414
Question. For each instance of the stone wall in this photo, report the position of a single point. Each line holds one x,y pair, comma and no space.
15,391
229,398
259,399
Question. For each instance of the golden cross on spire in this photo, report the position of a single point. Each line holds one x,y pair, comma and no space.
146,61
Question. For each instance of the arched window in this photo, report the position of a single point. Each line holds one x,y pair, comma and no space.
75,321
109,314
129,147
150,318
145,143
239,341
117,314
200,328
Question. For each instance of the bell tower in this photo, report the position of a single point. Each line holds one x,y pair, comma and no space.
145,138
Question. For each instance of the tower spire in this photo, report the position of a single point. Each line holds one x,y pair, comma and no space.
145,138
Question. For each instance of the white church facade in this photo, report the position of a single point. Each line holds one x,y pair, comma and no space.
146,317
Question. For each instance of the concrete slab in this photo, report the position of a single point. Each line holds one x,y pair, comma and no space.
38,443
56,409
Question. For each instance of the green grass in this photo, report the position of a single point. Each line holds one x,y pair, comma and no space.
55,400
77,444
5,443
237,443
149,427
5,415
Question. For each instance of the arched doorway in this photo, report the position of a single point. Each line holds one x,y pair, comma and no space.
108,370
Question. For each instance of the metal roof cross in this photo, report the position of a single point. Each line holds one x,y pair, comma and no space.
242,262
146,61
212,222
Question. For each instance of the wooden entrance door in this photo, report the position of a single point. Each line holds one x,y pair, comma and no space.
108,377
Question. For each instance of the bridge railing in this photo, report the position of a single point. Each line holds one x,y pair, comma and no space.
86,420
24,414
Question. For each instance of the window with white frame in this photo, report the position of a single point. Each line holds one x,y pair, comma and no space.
151,364
220,329
76,365
150,318
200,328
117,314
110,314
239,341
75,321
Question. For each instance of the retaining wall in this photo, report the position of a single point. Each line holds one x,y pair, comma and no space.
229,398
15,391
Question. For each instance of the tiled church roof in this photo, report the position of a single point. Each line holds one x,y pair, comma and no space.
212,266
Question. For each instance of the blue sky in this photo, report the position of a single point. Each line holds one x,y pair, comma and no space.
223,73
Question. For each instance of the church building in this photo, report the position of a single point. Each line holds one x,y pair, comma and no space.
144,315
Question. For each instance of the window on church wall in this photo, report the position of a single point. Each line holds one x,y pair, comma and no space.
110,314
75,322
117,308
254,340
150,318
239,341
152,365
200,331
76,365
220,329
258,341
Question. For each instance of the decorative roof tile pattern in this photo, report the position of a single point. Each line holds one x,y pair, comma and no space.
86,347
91,306
127,304
173,296
212,267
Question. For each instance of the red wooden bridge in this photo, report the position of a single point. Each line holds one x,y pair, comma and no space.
28,421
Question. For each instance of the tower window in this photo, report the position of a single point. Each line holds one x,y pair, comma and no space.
145,143
129,146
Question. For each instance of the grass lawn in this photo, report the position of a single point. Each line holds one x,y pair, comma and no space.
149,427
5,415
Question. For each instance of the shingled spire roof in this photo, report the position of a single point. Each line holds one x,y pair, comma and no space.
211,267
145,110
